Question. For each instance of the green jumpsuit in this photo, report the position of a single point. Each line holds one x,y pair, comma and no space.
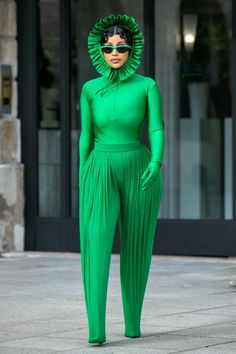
112,162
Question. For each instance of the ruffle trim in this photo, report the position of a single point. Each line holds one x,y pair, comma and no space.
134,60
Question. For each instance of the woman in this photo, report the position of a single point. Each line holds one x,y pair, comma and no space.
120,179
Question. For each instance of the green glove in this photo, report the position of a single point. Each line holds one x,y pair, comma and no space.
150,175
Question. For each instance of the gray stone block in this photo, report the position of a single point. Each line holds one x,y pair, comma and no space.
8,18
211,350
230,345
9,350
222,330
8,54
10,147
45,343
11,207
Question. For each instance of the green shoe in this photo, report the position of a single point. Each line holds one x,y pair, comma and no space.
132,335
97,340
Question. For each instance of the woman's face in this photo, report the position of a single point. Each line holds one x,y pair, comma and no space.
115,59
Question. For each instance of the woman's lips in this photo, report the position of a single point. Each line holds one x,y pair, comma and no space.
115,60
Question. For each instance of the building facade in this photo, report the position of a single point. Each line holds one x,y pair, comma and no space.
11,167
190,49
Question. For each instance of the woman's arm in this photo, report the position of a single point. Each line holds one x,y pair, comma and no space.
155,124
156,135
86,140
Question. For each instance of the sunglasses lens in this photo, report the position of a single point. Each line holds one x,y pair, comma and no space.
122,49
107,50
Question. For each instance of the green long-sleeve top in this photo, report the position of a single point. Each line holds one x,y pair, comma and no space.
118,115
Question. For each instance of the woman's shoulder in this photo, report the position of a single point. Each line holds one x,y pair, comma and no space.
92,83
143,79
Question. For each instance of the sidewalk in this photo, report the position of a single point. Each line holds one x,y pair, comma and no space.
189,306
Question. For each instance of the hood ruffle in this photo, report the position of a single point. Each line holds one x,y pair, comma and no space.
134,60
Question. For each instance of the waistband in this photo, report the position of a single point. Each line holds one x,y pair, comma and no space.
117,147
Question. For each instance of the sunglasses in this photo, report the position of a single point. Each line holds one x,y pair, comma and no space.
123,48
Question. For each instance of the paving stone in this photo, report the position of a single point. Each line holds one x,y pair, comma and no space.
17,350
42,327
45,343
208,351
186,320
119,350
223,330
169,341
224,311
230,345
6,336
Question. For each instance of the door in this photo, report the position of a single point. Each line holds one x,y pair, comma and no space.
194,66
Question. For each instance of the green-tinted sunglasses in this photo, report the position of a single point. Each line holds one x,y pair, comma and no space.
122,48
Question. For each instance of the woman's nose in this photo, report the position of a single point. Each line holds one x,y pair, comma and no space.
115,51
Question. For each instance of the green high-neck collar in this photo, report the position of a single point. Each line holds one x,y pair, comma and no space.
94,48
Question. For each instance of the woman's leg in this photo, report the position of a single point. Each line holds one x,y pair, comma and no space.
99,210
137,230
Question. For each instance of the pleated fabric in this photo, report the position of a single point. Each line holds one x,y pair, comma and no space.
110,193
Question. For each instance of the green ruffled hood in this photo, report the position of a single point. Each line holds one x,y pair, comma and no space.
134,60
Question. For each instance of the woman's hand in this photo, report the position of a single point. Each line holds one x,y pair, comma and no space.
150,175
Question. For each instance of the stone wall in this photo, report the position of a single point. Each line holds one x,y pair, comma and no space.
11,168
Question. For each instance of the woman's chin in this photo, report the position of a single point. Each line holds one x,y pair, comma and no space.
116,65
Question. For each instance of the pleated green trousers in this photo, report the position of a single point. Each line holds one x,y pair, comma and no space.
110,192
